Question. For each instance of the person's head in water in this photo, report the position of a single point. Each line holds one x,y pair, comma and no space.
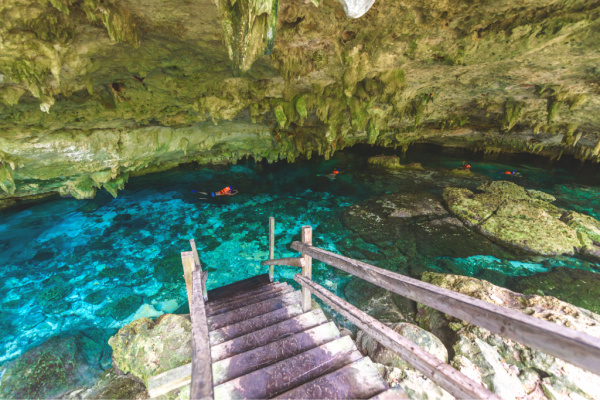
466,165
335,171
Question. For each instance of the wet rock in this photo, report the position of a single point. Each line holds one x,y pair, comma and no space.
576,286
378,302
511,369
380,354
145,348
392,162
509,214
111,385
51,369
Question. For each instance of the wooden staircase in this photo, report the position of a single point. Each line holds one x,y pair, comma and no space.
263,346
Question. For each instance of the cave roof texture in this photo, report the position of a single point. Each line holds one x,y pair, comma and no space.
95,91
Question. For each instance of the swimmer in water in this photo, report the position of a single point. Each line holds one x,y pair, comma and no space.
466,166
513,172
227,191
332,175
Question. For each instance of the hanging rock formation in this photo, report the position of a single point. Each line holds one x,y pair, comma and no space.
95,91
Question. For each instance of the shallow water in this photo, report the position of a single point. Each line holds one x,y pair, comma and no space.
71,266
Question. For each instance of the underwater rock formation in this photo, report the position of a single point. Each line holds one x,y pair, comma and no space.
95,91
525,219
145,348
111,385
508,368
53,368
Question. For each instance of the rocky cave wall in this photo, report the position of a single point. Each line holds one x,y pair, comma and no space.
95,91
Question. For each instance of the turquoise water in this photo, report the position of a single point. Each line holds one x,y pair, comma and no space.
70,266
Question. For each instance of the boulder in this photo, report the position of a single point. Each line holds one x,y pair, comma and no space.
523,219
379,303
146,348
392,162
111,385
51,369
508,368
380,354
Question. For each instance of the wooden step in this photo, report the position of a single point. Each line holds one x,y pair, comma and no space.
359,380
242,364
394,393
290,373
246,301
245,293
235,287
266,335
253,310
230,332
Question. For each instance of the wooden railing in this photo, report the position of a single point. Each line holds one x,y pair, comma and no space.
570,345
195,282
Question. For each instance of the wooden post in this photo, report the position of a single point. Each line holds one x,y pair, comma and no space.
271,247
198,266
187,259
307,269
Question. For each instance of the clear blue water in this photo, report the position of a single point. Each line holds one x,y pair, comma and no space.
70,265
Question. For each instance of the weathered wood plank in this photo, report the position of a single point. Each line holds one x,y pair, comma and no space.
266,335
441,373
287,374
245,301
307,268
570,345
253,310
234,288
187,275
271,247
201,387
359,380
242,328
170,380
260,357
287,261
245,293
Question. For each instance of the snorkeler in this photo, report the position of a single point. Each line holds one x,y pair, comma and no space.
466,166
332,175
514,172
227,191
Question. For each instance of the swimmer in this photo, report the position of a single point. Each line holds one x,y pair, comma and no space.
466,166
514,173
332,175
227,191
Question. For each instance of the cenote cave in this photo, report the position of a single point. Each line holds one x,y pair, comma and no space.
452,143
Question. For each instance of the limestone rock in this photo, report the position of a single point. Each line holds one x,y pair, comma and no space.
511,369
111,385
518,218
378,302
51,369
146,348
380,354
392,162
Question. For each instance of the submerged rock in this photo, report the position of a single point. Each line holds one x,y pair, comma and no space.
510,369
145,348
51,369
524,219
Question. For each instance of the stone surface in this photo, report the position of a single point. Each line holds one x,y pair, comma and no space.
111,385
93,92
510,369
146,348
523,219
52,369
380,354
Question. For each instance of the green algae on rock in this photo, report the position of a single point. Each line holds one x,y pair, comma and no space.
523,219
112,386
145,348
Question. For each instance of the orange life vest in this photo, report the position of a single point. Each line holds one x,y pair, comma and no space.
225,191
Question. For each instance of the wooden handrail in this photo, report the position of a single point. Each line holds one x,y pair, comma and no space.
288,261
567,344
271,248
453,381
202,381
